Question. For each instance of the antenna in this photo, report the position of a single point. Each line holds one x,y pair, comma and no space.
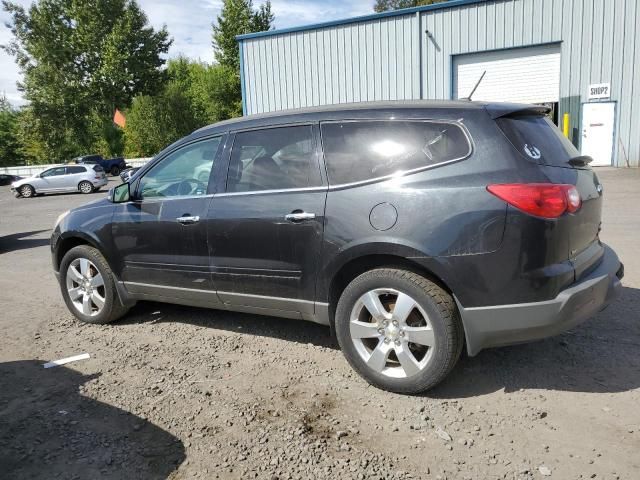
477,85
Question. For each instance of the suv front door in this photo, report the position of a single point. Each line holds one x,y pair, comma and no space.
265,230
160,234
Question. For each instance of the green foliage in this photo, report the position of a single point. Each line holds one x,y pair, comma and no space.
195,95
384,5
9,142
80,60
238,17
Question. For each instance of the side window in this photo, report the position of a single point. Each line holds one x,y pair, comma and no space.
53,172
362,150
74,170
272,159
185,172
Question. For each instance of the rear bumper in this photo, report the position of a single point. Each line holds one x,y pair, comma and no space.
101,182
517,323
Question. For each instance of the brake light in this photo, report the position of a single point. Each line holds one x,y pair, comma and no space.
547,200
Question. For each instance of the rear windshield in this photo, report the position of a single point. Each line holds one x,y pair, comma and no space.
538,139
98,168
364,150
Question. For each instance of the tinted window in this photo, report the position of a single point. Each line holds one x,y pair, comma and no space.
272,159
538,139
53,172
357,151
98,168
72,170
184,172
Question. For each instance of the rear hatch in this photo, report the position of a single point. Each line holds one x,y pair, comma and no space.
539,141
99,171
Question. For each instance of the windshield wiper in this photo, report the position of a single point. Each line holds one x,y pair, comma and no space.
580,161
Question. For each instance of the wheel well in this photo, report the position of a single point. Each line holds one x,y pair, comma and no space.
83,181
66,245
358,266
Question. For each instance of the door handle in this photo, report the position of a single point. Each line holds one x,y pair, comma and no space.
188,219
298,216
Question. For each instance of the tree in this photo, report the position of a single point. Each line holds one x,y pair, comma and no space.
195,95
238,17
80,60
384,5
9,142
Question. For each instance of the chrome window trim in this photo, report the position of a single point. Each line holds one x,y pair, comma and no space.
322,188
401,173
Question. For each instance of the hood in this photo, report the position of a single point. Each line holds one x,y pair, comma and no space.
101,202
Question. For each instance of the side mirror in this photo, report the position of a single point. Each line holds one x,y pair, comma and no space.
120,194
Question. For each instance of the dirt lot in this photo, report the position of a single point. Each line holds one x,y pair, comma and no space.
174,392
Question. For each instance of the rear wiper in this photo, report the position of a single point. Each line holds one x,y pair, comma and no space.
580,161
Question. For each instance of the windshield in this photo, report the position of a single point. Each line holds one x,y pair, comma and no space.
538,139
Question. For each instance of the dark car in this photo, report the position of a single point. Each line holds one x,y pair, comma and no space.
6,179
112,165
126,175
412,229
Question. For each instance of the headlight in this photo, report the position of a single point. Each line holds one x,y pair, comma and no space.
60,218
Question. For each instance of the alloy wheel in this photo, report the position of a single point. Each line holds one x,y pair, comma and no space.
86,187
392,333
85,287
26,191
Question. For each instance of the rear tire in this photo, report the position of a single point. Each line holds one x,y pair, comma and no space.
85,187
27,191
88,286
413,340
115,171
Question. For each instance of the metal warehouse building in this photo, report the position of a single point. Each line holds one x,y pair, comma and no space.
581,57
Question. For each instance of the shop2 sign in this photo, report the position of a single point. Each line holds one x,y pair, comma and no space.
599,91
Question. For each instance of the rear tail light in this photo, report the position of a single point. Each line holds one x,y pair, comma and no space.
547,200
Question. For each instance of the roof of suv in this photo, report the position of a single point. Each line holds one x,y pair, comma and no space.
494,109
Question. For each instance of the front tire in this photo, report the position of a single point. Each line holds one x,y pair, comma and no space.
85,187
27,191
88,286
400,331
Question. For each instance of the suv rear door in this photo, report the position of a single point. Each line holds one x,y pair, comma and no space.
265,231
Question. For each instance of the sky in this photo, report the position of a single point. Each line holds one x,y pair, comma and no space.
189,23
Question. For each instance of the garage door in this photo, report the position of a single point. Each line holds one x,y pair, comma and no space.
526,75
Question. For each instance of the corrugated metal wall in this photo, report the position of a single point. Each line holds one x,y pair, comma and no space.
333,65
391,57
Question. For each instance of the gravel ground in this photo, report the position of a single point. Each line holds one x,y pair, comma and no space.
175,392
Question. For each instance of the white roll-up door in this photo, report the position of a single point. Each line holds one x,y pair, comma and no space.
521,75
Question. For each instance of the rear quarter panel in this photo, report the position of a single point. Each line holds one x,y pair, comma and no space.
442,212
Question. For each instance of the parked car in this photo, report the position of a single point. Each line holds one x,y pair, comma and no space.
6,179
69,178
113,165
126,175
412,229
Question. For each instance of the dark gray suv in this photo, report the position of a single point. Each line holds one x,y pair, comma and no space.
412,229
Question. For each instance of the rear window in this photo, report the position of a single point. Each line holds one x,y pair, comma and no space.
538,139
362,150
98,168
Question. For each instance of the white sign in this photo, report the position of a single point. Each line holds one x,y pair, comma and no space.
599,90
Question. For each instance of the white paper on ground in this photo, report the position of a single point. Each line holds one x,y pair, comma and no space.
62,361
